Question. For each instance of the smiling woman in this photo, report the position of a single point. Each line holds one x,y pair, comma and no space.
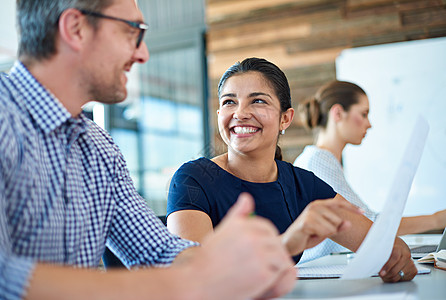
270,89
255,107
250,116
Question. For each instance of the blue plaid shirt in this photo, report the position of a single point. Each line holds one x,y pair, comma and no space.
65,191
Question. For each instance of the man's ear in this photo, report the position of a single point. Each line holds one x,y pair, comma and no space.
336,112
286,119
72,29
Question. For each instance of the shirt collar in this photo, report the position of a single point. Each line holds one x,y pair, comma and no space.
47,111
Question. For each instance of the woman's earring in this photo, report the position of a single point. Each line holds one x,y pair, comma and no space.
282,132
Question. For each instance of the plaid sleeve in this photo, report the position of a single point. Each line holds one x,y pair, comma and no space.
137,236
14,275
14,271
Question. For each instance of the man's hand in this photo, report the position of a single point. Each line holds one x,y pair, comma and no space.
400,266
245,257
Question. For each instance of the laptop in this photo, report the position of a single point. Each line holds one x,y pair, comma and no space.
423,250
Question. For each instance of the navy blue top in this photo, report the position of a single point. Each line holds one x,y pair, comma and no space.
202,185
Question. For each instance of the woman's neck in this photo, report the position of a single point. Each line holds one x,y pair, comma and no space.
253,169
331,143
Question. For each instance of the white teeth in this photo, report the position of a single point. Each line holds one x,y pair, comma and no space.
244,130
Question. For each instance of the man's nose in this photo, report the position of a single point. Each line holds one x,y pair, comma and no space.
141,54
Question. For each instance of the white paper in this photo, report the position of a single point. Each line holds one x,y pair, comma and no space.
336,271
387,296
377,246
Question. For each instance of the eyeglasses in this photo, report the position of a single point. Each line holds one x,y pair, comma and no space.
141,26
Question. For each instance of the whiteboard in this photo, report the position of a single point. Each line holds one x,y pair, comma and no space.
401,80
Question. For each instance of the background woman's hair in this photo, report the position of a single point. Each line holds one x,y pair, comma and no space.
272,74
314,111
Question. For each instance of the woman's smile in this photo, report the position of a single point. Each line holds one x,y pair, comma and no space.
244,130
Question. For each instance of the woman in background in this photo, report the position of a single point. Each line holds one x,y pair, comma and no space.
255,108
340,109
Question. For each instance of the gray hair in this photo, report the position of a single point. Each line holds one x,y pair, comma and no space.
37,24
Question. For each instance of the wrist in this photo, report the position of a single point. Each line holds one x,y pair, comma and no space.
198,275
192,285
293,243
436,220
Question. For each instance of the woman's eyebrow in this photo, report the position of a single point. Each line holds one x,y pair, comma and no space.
255,94
228,95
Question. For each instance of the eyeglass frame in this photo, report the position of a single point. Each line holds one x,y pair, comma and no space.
138,25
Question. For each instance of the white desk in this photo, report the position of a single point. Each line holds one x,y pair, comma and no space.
428,286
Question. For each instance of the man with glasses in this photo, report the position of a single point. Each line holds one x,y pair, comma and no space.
65,191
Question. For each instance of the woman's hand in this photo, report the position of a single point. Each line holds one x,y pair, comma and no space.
400,266
319,220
